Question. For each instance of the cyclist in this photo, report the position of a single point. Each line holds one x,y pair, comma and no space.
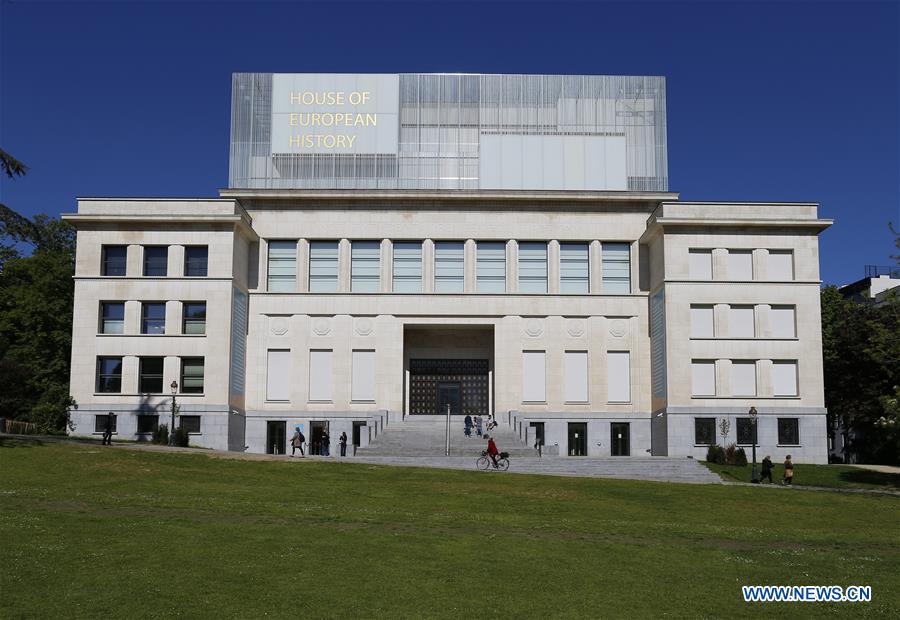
492,451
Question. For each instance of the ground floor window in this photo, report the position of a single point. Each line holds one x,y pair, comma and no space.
190,423
100,423
788,431
704,431
147,424
746,432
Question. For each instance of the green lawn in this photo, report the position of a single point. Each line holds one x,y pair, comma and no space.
98,532
833,476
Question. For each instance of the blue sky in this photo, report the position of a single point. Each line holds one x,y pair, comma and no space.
793,101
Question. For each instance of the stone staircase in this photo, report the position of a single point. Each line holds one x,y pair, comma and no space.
425,435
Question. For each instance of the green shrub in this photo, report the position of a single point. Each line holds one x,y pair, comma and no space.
180,437
161,434
715,454
740,457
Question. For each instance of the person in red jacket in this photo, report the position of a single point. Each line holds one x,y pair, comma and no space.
492,450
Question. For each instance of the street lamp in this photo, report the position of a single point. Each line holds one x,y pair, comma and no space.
754,475
174,387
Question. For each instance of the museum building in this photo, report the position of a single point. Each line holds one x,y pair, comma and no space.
391,246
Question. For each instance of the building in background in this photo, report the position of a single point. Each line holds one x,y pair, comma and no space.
878,287
393,245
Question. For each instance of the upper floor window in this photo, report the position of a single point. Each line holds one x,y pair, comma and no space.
490,266
113,260
702,322
703,378
156,260
574,270
323,266
783,321
193,317
784,378
150,375
192,375
740,265
195,260
112,317
282,274
743,378
449,267
153,317
533,267
616,268
408,267
365,266
700,264
109,375
781,265
741,323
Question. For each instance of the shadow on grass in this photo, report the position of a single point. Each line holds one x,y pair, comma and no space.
867,476
19,441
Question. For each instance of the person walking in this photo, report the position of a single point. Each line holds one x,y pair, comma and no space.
108,430
467,430
478,425
297,441
767,468
788,471
343,442
326,443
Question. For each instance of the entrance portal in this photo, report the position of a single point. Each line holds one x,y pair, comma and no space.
577,438
620,441
317,432
463,384
276,437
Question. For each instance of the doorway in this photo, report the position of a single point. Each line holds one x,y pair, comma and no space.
357,433
449,393
276,437
317,446
577,438
620,440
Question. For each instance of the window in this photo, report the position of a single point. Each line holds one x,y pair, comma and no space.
190,423
784,378
746,432
282,266
490,267
278,375
703,378
100,421
740,265
783,321
576,376
449,267
365,264
156,260
781,265
362,385
704,431
618,376
700,264
574,270
534,377
147,424
616,268
740,322
408,267
743,378
323,266
788,431
113,260
195,260
109,375
702,322
532,267
193,317
112,317
153,317
150,375
320,375
192,375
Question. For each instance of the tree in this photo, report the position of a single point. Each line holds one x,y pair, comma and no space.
36,296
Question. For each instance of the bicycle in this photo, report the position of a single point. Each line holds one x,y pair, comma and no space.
484,461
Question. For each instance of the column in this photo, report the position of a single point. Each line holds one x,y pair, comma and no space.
428,266
470,254
553,267
344,266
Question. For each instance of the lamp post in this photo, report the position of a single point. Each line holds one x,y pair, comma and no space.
174,387
754,474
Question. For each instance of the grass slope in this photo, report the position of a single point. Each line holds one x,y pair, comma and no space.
832,476
112,532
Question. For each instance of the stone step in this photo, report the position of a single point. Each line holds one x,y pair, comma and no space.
425,435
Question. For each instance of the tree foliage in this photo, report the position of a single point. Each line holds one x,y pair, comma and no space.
37,262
